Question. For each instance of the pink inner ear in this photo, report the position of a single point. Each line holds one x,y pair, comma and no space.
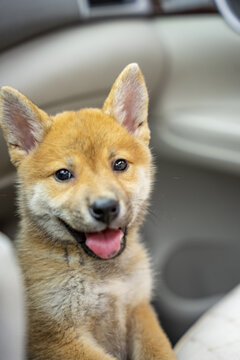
129,111
24,133
130,103
18,120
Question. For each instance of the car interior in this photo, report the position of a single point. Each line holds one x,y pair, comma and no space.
65,55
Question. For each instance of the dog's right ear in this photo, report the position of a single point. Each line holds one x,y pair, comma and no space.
127,102
24,124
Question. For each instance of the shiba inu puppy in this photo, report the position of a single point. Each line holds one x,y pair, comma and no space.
84,180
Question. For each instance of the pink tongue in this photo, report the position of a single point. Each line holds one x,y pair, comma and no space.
105,244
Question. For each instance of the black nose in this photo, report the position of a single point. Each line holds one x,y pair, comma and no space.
105,210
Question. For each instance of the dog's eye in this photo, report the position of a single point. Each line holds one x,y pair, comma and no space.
120,165
63,175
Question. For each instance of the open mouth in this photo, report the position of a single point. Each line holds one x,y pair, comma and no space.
106,244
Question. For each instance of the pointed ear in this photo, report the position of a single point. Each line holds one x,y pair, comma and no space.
127,102
23,123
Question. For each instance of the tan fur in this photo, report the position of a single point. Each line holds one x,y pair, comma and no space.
79,307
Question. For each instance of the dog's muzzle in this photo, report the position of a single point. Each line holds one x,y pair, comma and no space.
104,245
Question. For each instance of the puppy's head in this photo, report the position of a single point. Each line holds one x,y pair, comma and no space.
84,176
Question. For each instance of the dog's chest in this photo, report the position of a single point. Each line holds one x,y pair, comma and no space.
84,297
85,293
89,300
94,307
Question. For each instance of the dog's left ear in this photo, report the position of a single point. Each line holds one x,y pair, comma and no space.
127,102
24,124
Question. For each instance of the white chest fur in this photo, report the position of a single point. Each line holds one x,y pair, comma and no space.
82,296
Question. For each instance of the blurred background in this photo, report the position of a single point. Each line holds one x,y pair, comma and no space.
66,54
